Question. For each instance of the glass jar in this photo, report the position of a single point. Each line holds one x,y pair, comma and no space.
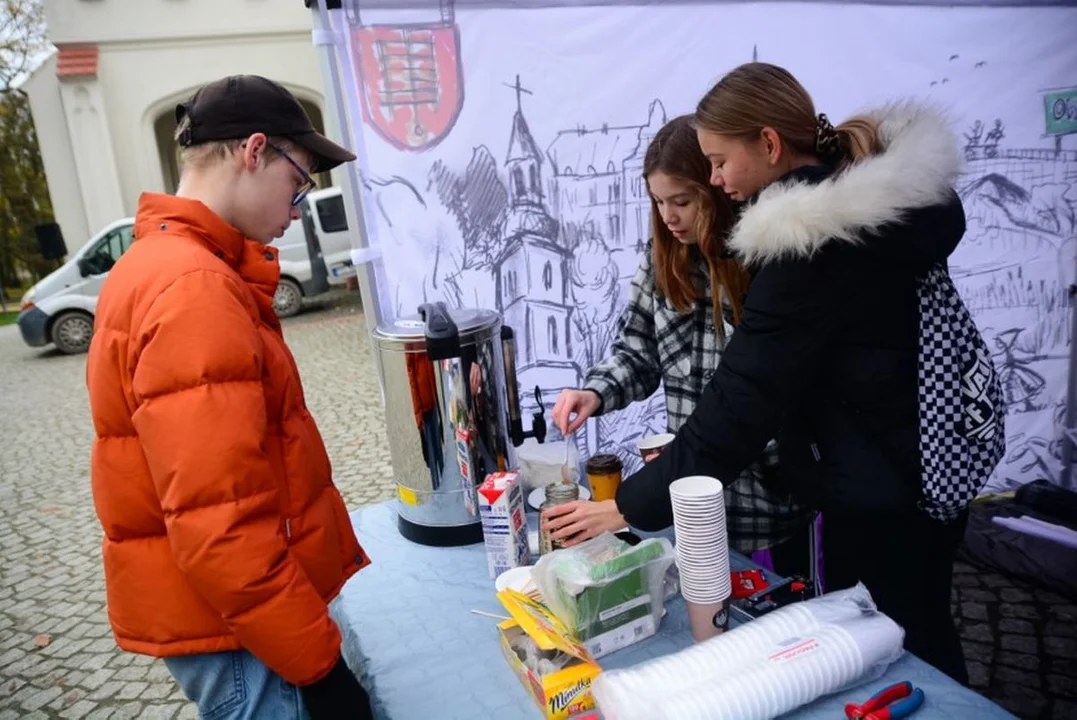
556,494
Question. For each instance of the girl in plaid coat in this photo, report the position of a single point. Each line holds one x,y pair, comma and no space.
683,303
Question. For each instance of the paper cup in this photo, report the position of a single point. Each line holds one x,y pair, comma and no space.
604,475
708,619
652,446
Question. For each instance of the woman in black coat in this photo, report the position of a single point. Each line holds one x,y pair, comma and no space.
839,225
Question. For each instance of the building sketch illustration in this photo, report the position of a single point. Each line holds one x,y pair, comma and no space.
540,236
412,77
546,226
1013,269
1016,263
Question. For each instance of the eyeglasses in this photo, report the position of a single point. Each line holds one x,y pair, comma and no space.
308,181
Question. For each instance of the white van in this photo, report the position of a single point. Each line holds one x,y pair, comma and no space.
60,309
331,226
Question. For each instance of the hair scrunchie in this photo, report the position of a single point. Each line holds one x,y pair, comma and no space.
827,144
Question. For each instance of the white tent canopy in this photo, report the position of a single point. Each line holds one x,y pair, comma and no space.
501,143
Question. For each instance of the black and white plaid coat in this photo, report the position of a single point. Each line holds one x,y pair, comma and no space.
658,345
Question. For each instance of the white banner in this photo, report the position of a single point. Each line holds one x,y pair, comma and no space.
501,153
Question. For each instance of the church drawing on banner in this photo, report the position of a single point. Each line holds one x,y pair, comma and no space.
558,232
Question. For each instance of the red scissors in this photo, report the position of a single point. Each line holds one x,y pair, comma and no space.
895,702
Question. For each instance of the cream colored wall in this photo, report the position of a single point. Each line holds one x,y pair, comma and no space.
153,54
88,126
100,21
142,80
57,154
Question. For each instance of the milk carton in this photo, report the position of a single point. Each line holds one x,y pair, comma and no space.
504,524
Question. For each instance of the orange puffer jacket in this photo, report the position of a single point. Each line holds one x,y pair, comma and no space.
222,525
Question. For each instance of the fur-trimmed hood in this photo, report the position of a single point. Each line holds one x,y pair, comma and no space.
796,218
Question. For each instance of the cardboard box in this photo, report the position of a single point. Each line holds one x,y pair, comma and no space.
624,608
504,522
561,694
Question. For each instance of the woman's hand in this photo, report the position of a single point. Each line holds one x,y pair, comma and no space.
573,522
584,403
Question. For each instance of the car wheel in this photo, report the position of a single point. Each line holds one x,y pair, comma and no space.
72,332
289,298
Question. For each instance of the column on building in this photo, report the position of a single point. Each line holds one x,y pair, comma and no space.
91,140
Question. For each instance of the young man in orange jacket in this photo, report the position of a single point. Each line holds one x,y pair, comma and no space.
225,538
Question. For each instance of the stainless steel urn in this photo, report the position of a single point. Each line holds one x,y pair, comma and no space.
452,416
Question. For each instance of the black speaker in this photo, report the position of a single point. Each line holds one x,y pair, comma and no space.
50,241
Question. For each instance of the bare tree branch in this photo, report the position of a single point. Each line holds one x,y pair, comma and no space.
22,38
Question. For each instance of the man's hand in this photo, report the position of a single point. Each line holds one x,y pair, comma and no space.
337,696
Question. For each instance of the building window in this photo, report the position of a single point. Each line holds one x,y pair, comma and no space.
331,214
615,228
547,275
108,251
551,335
518,182
534,180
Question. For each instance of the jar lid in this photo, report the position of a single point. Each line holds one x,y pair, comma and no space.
562,492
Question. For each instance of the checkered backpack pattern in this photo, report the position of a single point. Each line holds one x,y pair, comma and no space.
962,417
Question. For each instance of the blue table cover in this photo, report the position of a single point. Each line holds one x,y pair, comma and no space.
410,635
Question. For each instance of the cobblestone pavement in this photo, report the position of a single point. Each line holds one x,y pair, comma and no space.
1020,643
51,584
1021,647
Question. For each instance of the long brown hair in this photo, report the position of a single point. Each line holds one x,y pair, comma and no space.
757,95
675,152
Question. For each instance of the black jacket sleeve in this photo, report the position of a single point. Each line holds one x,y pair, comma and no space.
790,316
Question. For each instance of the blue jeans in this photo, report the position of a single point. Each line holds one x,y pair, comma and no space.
235,686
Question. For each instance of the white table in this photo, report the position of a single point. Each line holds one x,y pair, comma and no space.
410,635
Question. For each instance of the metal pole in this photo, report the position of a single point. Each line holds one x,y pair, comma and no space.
326,41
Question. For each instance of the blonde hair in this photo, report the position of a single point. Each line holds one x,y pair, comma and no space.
758,95
203,155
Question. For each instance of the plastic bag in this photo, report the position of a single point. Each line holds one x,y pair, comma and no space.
761,669
607,592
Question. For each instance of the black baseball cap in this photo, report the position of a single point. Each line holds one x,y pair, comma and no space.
241,105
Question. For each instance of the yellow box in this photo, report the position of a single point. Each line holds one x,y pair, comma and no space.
560,694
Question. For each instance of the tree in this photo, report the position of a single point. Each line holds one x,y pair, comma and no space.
22,38
478,200
24,194
595,293
24,197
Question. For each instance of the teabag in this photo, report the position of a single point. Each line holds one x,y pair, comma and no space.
570,471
